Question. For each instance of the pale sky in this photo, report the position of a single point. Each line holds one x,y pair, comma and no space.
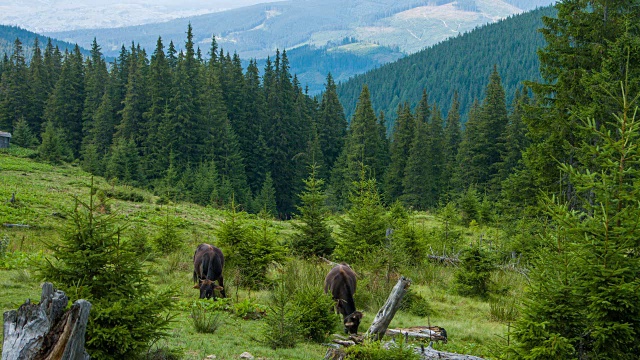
57,15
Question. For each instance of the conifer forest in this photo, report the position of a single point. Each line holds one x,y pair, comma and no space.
513,210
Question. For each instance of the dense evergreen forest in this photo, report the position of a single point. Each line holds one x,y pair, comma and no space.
214,133
460,64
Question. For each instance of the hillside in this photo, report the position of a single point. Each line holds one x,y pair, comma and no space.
462,63
8,35
45,198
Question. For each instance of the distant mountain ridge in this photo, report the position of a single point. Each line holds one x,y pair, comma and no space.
461,64
257,31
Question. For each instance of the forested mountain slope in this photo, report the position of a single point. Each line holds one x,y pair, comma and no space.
459,64
8,35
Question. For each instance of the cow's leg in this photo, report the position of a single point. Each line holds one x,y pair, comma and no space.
221,282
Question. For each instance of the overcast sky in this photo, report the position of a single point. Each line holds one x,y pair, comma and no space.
55,15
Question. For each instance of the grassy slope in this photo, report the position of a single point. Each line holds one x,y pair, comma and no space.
45,193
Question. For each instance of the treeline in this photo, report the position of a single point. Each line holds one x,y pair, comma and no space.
207,132
191,129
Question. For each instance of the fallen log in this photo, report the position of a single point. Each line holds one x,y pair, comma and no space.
45,331
445,260
16,225
433,333
429,353
384,316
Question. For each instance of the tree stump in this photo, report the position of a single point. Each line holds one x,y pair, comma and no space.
388,311
45,331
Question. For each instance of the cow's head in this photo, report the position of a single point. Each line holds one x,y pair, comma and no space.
207,287
351,322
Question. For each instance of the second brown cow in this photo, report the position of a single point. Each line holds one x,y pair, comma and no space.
208,262
340,282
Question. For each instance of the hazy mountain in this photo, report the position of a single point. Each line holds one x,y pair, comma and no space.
60,15
257,31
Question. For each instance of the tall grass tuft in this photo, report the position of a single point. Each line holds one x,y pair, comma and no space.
205,320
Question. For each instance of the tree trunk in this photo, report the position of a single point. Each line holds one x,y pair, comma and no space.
45,331
388,311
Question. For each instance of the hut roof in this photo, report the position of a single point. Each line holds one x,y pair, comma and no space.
5,134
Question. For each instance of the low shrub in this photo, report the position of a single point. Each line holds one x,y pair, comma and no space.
249,310
416,304
125,195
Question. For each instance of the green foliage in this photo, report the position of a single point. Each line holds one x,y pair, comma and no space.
53,147
282,323
249,310
313,235
416,304
205,320
266,198
22,134
168,238
503,309
250,250
469,204
93,263
316,312
363,229
375,350
473,277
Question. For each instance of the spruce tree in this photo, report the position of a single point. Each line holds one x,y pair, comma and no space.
598,271
38,87
64,106
265,200
94,261
313,235
417,170
22,135
365,146
14,99
159,92
452,138
403,133
332,124
96,79
363,229
53,148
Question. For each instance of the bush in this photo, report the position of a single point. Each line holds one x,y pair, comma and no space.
415,304
168,239
473,277
249,310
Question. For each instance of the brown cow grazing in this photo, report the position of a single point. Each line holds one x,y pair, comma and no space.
208,262
341,283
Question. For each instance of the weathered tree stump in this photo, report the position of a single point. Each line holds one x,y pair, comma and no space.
388,311
45,331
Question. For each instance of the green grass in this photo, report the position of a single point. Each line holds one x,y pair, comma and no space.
45,194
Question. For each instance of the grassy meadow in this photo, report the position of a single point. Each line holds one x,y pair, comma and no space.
44,195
